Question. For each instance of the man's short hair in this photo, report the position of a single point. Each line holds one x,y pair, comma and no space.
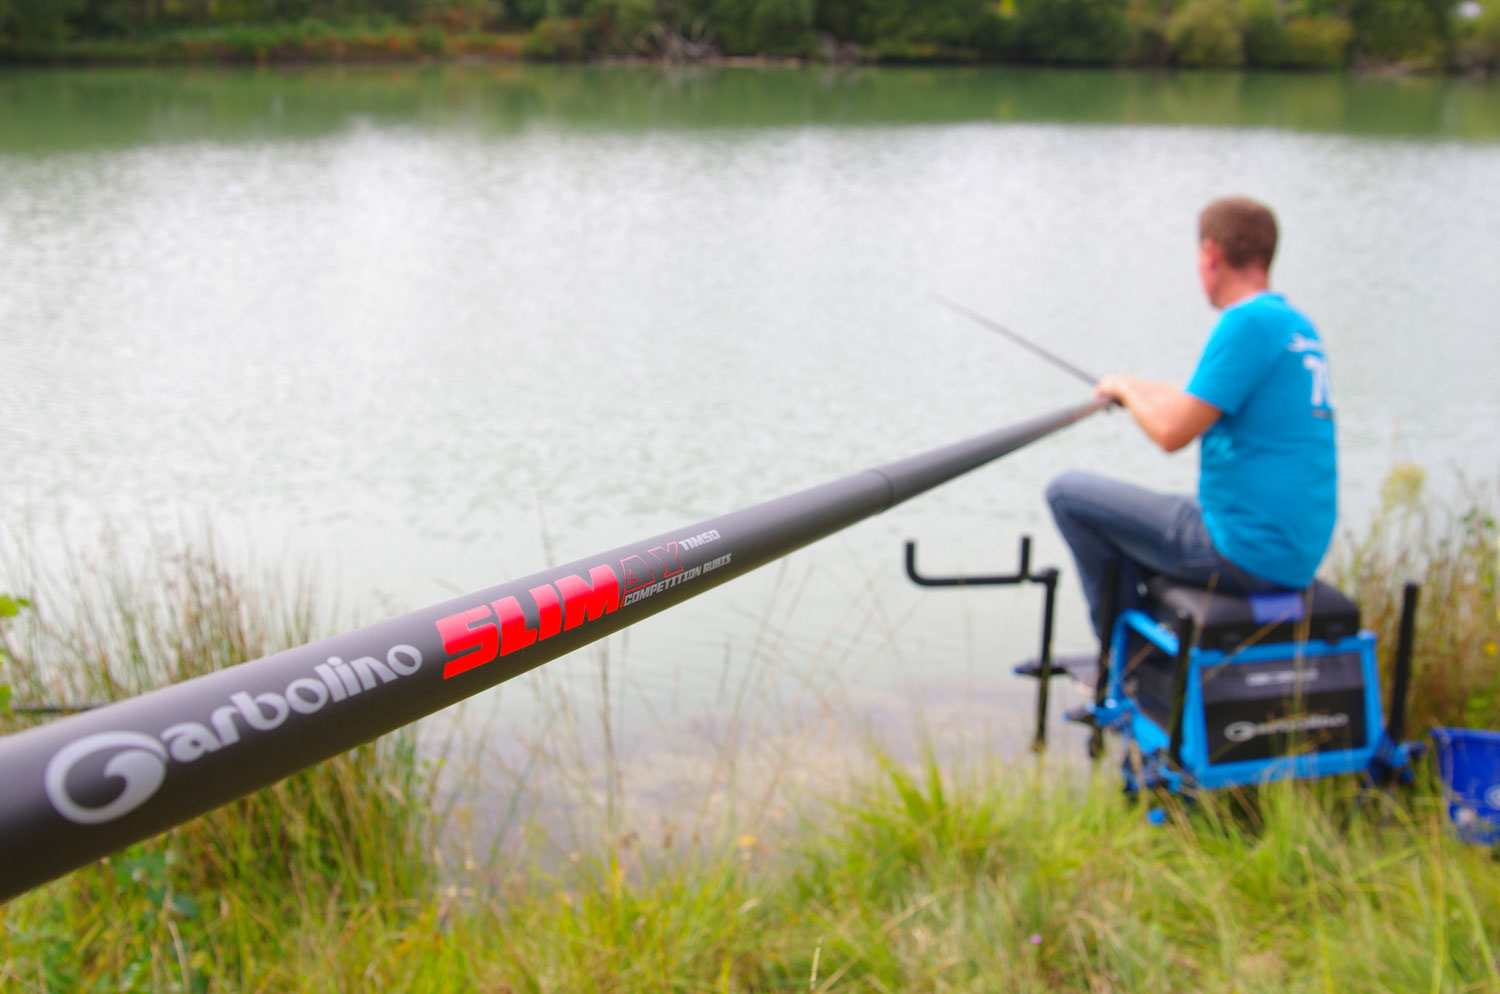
1244,230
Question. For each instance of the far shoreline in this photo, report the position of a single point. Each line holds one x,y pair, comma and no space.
293,46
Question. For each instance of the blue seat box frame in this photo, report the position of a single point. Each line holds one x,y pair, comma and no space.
1312,707
1197,760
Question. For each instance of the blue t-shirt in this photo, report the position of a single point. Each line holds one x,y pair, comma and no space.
1269,478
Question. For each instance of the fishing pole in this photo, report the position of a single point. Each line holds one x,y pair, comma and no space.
84,786
1025,343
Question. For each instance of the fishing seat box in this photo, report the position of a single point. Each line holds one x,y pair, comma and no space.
1268,676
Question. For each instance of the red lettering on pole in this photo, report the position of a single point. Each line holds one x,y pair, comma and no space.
671,565
468,646
476,636
549,610
589,600
637,573
514,634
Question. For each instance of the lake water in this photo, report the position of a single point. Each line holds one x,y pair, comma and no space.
434,328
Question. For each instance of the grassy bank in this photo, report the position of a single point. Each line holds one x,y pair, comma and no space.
943,877
981,882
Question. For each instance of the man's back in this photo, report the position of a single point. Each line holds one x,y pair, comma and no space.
1269,479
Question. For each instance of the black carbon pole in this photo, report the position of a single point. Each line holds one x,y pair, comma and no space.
84,786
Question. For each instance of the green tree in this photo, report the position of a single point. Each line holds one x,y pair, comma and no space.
1401,30
1073,32
1303,41
1207,33
746,27
39,23
1478,40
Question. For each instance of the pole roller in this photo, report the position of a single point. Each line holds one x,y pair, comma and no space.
84,786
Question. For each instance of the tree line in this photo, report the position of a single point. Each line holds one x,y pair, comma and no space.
1278,34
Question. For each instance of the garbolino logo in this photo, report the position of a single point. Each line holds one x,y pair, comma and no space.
140,760
141,763
1278,677
1244,731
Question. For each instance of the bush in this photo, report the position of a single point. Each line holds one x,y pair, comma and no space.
9,608
1072,32
1317,43
430,40
1262,33
36,22
746,27
1148,27
1304,42
1410,31
1478,48
1207,33
555,38
995,36
1454,552
626,20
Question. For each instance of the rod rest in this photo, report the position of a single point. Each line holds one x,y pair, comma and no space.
1231,621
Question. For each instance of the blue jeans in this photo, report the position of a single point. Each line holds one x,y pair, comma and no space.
1148,533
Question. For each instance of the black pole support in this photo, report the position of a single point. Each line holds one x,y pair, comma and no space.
1047,578
1022,575
1109,601
1401,681
1187,638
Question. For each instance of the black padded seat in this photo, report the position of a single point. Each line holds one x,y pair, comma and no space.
1232,621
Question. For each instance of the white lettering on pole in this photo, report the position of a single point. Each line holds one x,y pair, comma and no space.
141,760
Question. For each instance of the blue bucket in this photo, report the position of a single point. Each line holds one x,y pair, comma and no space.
1469,761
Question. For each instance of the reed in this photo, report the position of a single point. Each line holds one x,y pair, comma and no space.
226,901
1453,551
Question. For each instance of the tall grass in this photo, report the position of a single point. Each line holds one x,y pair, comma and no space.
939,876
258,892
1453,552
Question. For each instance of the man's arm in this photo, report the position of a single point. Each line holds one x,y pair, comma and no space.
1171,417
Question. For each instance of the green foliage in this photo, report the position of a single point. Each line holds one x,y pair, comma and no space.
943,23
1262,32
1273,33
625,20
1478,41
37,22
1316,43
1455,555
1301,42
748,27
9,608
1407,31
1072,32
1207,33
555,38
